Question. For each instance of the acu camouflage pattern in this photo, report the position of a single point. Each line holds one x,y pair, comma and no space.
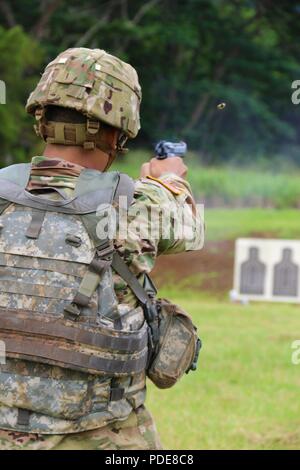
42,276
137,432
94,83
176,347
65,401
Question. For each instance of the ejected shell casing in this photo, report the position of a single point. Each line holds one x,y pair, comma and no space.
221,105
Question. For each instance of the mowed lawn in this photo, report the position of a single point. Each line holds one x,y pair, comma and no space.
246,392
229,224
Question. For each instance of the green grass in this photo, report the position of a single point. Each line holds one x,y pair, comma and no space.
228,185
236,187
228,224
245,394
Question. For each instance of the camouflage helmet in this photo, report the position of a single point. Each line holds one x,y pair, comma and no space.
91,81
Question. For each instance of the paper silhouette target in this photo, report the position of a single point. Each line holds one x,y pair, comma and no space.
253,274
286,275
267,270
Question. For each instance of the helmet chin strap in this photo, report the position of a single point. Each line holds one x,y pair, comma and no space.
111,157
118,149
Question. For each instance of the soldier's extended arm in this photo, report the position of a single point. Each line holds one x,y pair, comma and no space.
162,216
163,184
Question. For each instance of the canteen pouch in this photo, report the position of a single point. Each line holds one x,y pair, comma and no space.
176,345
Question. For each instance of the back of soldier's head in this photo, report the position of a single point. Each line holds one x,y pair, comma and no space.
85,97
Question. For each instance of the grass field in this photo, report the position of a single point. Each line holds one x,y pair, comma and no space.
245,394
262,186
228,224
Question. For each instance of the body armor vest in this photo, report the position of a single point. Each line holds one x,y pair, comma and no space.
74,354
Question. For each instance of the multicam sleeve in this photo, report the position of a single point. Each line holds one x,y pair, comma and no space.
173,220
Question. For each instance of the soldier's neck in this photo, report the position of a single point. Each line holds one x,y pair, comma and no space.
94,159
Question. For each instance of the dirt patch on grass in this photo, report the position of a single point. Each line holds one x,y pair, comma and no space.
210,269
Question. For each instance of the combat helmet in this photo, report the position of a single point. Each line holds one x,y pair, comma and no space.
96,84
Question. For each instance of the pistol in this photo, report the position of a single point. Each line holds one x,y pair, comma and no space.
165,149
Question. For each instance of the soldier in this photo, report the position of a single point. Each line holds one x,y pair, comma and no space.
76,340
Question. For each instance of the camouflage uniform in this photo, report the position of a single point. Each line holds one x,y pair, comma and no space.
136,428
137,432
69,407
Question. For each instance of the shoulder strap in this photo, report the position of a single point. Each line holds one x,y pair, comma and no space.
121,268
18,174
114,183
93,188
122,186
93,180
3,205
126,187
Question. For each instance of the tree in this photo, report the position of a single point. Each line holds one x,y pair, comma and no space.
190,56
19,55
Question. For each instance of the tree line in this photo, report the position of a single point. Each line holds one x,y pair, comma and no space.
190,55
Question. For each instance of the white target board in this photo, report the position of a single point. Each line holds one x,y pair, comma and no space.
267,270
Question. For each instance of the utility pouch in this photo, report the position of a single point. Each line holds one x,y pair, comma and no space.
173,346
177,346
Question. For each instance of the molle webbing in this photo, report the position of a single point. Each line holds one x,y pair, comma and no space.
58,266
72,345
37,290
51,339
51,353
26,323
103,255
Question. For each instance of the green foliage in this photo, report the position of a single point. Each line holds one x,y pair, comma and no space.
190,56
19,56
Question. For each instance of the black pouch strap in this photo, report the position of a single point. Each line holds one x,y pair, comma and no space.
194,364
121,268
91,280
146,300
116,392
23,417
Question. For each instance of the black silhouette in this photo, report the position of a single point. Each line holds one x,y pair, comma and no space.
286,275
253,273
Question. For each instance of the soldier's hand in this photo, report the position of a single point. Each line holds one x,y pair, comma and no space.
157,168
